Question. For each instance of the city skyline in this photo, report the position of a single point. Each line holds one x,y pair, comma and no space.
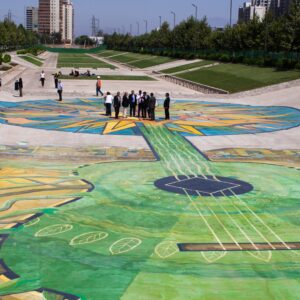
115,19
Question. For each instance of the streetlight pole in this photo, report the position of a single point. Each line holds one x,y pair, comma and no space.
146,22
138,27
196,10
130,29
172,12
159,22
230,18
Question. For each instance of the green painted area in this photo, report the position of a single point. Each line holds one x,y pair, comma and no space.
236,78
187,67
126,205
32,60
67,60
110,77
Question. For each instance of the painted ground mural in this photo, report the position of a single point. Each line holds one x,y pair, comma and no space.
168,222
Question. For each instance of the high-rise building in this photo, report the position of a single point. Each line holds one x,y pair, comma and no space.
280,7
265,3
50,16
57,16
32,15
255,8
67,21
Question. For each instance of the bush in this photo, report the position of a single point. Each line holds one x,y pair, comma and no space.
225,58
269,62
6,58
297,66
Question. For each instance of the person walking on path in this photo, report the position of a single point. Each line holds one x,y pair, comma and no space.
133,103
99,86
43,78
60,90
55,76
125,104
139,103
152,105
117,104
167,106
108,103
21,87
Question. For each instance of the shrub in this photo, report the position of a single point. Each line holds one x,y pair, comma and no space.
297,66
224,58
6,58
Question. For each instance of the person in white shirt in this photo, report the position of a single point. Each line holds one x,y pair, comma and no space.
43,78
108,102
60,88
139,103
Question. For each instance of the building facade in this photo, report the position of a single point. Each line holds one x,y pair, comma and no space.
280,7
32,15
67,22
255,8
56,16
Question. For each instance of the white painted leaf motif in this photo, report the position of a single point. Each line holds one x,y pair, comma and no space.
261,255
54,230
213,256
32,222
124,245
88,238
166,249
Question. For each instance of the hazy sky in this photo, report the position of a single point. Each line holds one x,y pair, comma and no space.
121,13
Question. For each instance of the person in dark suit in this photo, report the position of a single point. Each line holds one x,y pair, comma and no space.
133,103
125,104
152,105
21,87
117,104
167,106
145,105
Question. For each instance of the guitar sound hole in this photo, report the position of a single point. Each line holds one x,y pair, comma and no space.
204,185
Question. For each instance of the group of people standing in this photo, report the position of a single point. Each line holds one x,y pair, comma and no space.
139,105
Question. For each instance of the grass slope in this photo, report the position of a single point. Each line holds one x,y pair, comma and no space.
236,78
136,60
32,60
80,61
187,66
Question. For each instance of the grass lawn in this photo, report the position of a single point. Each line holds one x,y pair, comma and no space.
188,66
127,58
236,78
136,60
108,53
80,61
155,61
110,77
32,60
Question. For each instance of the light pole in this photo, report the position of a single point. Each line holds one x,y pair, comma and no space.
130,29
138,27
159,22
196,10
230,18
146,23
172,12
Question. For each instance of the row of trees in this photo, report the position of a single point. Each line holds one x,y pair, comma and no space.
13,36
271,34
